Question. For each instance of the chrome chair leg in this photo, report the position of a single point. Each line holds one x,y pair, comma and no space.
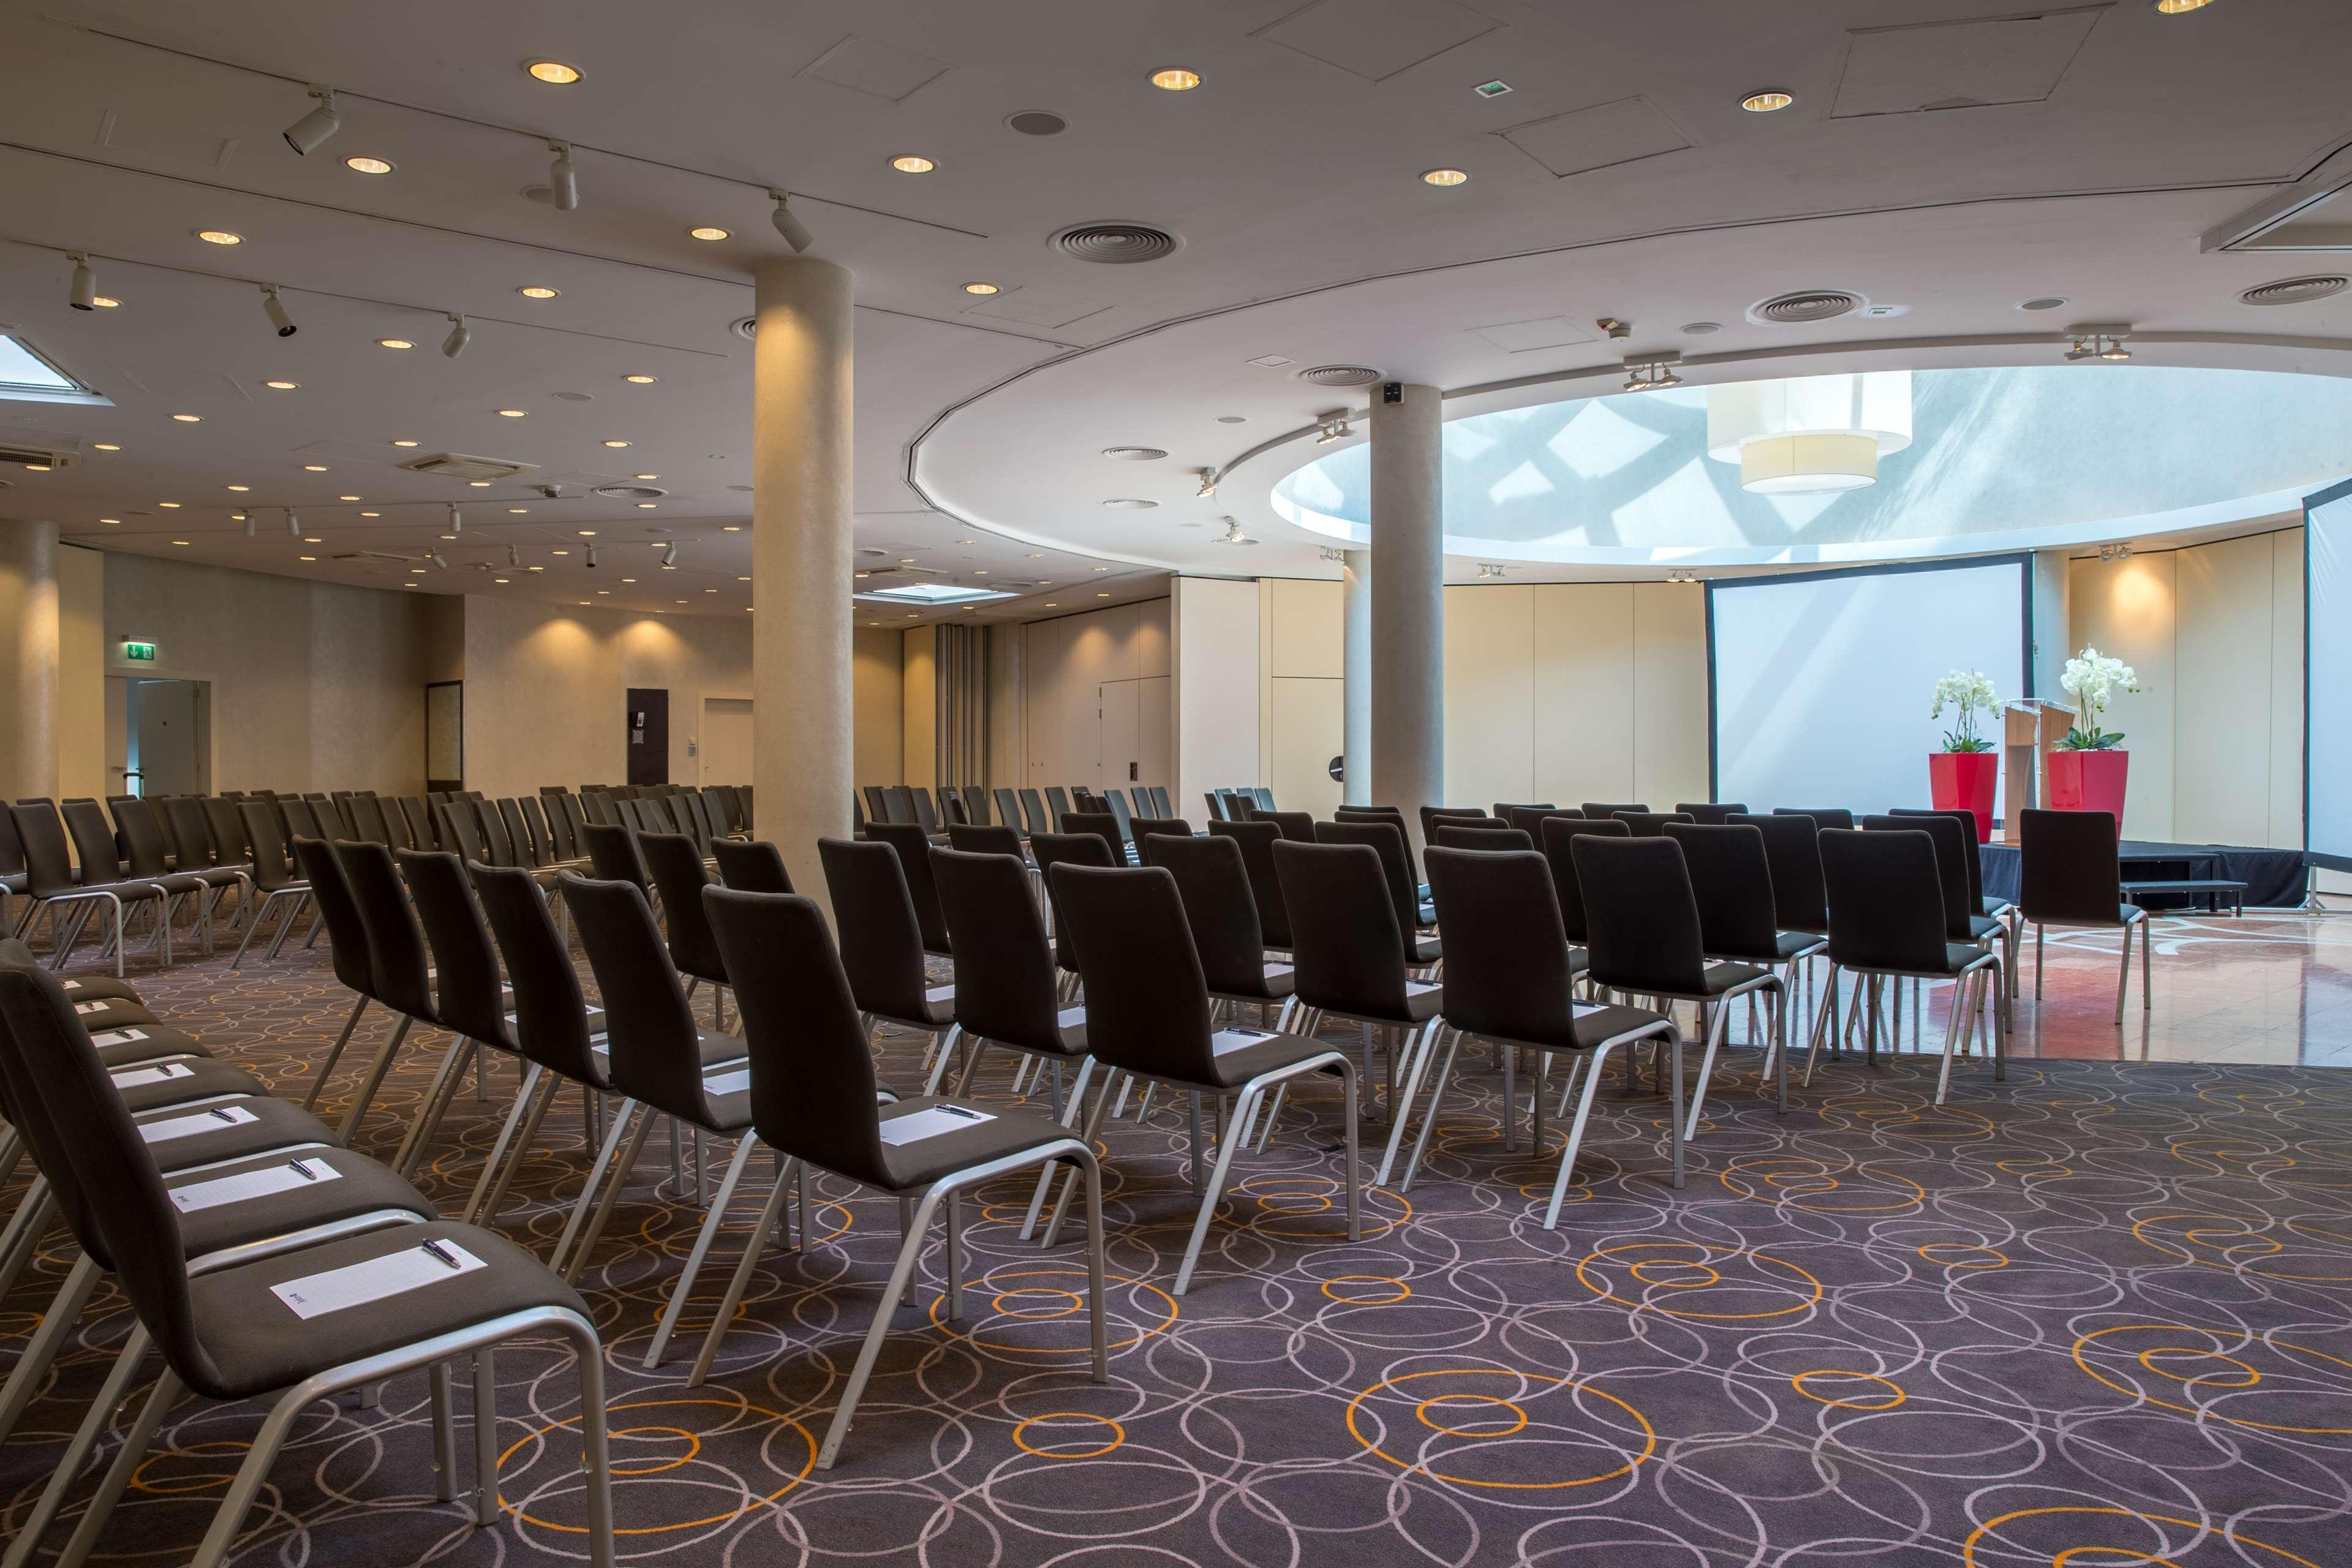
710,1224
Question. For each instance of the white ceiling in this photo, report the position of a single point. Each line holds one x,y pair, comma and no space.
1618,178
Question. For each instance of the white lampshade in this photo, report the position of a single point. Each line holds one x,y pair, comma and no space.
1808,465
1877,404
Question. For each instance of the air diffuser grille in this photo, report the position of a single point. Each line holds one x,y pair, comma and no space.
2296,290
1806,305
1135,454
1339,375
628,492
1116,244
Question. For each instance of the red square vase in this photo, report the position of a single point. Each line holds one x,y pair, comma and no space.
2089,780
1958,779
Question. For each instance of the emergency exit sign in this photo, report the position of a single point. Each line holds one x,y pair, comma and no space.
139,652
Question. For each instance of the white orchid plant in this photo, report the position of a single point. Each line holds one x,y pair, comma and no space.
2094,679
1970,694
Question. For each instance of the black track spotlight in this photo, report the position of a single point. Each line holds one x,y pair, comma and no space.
562,178
670,559
85,285
276,307
307,133
459,336
439,560
788,224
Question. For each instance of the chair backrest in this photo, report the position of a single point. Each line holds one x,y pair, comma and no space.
1058,800
613,854
1299,826
881,940
1887,900
397,834
1387,838
2071,868
1731,876
1793,851
926,817
913,847
226,818
465,961
396,944
1955,848
1142,827
1559,836
1503,808
347,943
1213,883
332,820
752,866
983,838
952,810
11,848
1257,838
1215,800
1115,804
1347,946
1642,922
697,814
191,826
878,804
975,805
48,864
367,819
461,832
140,836
1604,809
1452,835
1822,815
1967,820
1717,814
296,820
265,850
1529,819
1051,849
1431,815
654,1049
575,817
1004,979
812,1088
499,846
1387,813
1102,824
1147,1004
1649,823
1008,811
1034,815
676,868
99,857
1262,796
551,1024
562,844
1507,965
529,848
423,833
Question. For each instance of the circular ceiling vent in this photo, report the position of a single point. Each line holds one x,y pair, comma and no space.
2296,290
1134,454
1805,305
1037,122
2046,303
1129,504
1114,243
1337,376
746,328
629,492
577,397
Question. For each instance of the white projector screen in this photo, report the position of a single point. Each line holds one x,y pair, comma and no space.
1821,683
2326,702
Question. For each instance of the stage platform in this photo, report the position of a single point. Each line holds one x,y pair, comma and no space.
2273,878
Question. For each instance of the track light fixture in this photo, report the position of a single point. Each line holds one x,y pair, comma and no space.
1233,534
84,284
307,133
592,558
1208,484
1334,428
276,310
1652,372
1489,572
293,525
2101,341
669,558
796,232
456,519
459,336
249,523
562,178
513,559
2115,552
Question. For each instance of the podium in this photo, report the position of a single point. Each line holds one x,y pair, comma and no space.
2032,728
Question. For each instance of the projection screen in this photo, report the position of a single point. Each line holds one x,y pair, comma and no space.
1820,683
2326,702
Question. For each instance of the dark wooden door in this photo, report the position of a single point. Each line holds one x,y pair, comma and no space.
649,735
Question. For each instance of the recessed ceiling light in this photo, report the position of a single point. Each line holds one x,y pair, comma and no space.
1102,568
104,446
2044,302
306,558
499,579
518,510
555,73
478,484
982,288
1036,555
708,231
281,386
743,579
240,486
219,237
587,533
559,552
169,505
1102,595
537,291
1443,177
513,413
115,521
180,542
103,302
1177,79
1771,101
1051,604
371,514
394,344
616,443
912,164
640,380
644,475
731,528
312,539
189,418
314,468
628,579
646,505
448,536
367,165
347,497
2178,7
906,560
404,443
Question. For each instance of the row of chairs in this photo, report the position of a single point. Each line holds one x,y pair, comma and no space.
1025,811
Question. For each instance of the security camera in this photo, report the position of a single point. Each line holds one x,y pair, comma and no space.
553,493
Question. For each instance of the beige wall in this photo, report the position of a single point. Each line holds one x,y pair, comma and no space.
2215,635
919,705
1064,665
876,670
81,727
1302,692
1216,632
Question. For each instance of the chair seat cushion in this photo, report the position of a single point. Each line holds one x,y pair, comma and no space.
1789,944
194,1080
99,987
154,1041
275,1124
1723,975
1279,983
1422,951
361,1185
927,1160
1982,926
1993,906
255,1343
129,892
1238,1066
101,1014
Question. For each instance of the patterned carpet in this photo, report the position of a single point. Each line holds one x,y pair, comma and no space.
2096,1316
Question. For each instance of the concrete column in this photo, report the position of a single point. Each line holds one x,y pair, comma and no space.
2052,616
1408,603
28,659
803,709
1356,664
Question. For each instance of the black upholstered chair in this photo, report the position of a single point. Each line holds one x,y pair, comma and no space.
882,941
1467,835
1824,816
1050,850
1714,813
752,866
1650,824
913,845
1387,839
1603,809
678,870
1257,838
1213,881
2071,875
1560,834
273,879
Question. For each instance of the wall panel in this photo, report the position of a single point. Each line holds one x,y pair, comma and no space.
1490,726
2221,711
1583,692
1670,694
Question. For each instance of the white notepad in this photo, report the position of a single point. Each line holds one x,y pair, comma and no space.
249,1184
930,1123
84,1009
69,985
1070,1017
727,1082
357,1284
1586,1009
939,994
117,1037
1225,1040
211,1120
140,1078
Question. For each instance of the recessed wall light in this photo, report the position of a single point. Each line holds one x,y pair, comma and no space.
513,413
616,443
1444,178
219,237
104,446
282,386
1176,79
538,291
554,73
169,505
1769,102
189,418
639,380
314,468
240,486
394,344
367,165
404,443
709,231
982,288
912,164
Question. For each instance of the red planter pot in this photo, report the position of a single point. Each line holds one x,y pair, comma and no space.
2089,780
1958,780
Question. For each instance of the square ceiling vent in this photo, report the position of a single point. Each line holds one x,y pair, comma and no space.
1972,64
1376,39
461,466
1600,137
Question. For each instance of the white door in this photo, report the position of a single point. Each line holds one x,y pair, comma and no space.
726,740
1120,753
170,736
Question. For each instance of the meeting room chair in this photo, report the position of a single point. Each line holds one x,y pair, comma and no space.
1649,823
752,866
1257,838
913,847
1420,951
1714,813
1605,809
678,871
1213,884
881,941
2071,875
1824,816
274,879
1731,879
1461,834
1051,850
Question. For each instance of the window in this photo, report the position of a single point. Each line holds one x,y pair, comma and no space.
28,376
934,593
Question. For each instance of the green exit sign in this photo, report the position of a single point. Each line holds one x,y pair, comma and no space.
139,652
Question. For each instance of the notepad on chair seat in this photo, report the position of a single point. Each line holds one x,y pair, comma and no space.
211,1120
140,1078
357,1284
249,1184
1225,1040
117,1038
1586,1009
930,1123
727,1082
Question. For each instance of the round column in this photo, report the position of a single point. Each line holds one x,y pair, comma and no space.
28,659
1356,664
1408,603
803,718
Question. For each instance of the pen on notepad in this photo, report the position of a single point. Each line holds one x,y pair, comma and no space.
959,1111
303,1170
437,1250
224,1115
